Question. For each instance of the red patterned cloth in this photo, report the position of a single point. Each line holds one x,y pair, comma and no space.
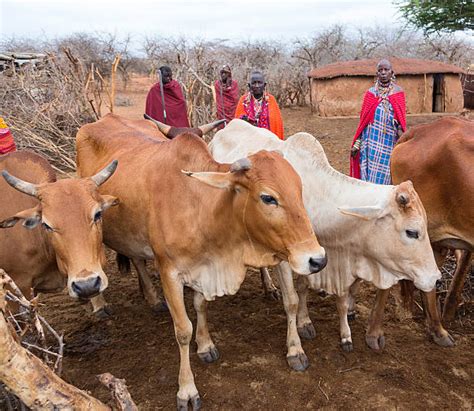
7,144
369,105
227,98
264,114
175,105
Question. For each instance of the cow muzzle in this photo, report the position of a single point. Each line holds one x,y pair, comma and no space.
86,288
427,283
308,263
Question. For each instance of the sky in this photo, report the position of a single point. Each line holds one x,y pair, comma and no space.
204,19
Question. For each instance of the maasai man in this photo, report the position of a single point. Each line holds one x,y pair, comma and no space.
168,104
259,107
7,144
382,121
227,94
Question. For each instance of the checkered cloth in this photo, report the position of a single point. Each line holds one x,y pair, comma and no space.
378,140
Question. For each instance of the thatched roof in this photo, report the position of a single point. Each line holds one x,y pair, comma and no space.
368,68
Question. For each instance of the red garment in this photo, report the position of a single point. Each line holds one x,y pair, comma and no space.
175,105
227,101
369,105
7,144
274,123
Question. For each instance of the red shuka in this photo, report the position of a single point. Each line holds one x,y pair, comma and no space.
367,113
227,102
7,144
175,105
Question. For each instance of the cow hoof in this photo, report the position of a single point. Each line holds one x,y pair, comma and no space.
209,356
273,295
347,346
444,341
159,308
375,343
195,403
307,332
104,313
298,362
351,316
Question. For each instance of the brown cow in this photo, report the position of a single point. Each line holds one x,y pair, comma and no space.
60,242
201,221
439,159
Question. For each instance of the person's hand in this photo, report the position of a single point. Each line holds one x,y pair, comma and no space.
355,147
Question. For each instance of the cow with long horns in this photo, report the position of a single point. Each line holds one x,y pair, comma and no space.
59,242
201,221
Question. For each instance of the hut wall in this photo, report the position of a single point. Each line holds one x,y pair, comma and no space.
340,96
418,92
453,93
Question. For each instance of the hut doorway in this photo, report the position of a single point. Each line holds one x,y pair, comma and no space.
438,93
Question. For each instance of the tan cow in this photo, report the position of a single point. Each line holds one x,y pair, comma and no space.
201,221
370,232
59,242
439,159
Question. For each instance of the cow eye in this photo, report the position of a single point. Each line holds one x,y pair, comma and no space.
268,199
412,233
47,227
97,216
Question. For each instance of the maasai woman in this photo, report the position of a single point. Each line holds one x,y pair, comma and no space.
382,121
7,143
259,107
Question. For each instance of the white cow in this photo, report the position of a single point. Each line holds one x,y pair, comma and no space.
370,232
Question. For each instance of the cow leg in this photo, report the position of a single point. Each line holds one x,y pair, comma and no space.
100,307
183,328
206,350
354,289
147,288
342,303
463,264
268,287
374,336
295,356
305,326
438,333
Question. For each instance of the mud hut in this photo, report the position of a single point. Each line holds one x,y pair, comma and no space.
430,86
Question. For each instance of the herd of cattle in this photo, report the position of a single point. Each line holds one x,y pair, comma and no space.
206,213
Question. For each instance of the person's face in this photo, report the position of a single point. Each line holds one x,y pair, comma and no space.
384,72
225,75
257,85
166,76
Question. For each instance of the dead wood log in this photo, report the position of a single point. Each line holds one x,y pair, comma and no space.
32,381
119,391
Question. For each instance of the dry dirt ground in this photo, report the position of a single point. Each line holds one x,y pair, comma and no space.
250,330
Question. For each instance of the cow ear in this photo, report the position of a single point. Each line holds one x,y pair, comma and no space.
214,179
31,218
109,201
364,212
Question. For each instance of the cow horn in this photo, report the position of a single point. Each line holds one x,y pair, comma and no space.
164,128
211,126
20,185
241,165
403,199
103,175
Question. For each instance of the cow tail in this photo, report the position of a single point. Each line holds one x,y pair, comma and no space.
123,263
407,291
